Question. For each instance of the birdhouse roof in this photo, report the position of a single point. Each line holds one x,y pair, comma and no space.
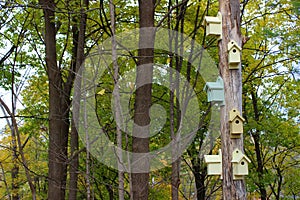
214,85
238,156
232,44
211,19
235,114
213,158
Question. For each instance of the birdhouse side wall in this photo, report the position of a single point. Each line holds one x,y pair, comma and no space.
217,95
214,168
214,28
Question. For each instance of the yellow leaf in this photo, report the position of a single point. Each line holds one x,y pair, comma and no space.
101,92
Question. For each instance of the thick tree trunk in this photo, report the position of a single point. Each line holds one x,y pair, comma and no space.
58,111
230,10
140,181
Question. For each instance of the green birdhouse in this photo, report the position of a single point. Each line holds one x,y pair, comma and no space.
215,91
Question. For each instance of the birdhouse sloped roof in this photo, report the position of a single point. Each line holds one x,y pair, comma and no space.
232,44
237,157
214,85
211,19
235,114
213,158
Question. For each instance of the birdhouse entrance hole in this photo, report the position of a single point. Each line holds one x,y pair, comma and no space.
234,50
237,121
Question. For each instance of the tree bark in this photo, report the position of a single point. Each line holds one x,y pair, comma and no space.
140,181
230,10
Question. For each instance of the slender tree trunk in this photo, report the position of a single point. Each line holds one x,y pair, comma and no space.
140,181
117,103
78,41
256,138
230,10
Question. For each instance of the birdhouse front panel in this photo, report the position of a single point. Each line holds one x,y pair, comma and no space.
241,168
236,126
234,56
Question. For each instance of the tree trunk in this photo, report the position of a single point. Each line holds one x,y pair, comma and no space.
117,103
256,138
140,181
78,42
230,10
58,110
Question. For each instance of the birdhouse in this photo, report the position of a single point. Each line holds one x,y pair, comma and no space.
213,25
214,164
239,164
234,55
215,91
235,123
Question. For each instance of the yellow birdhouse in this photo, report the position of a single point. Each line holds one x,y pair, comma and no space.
235,123
214,164
234,55
213,25
239,164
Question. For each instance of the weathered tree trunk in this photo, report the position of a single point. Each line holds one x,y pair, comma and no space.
140,181
230,10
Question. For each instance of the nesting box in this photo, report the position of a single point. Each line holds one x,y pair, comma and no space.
239,164
215,91
234,55
214,164
236,123
213,25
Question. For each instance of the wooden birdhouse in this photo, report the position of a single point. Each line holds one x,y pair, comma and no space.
240,164
213,25
215,91
235,123
214,164
234,55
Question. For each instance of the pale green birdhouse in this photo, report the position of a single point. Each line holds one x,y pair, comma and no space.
214,164
213,25
234,55
235,123
239,164
215,91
